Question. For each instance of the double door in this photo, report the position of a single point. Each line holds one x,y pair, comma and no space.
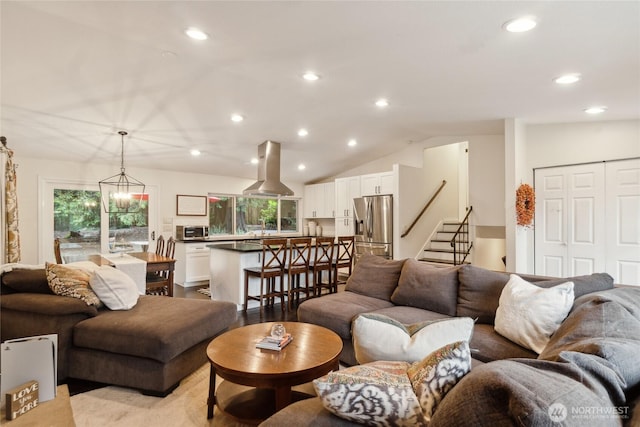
586,220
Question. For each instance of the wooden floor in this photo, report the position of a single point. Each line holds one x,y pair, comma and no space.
252,316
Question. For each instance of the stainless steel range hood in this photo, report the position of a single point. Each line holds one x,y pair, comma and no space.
268,183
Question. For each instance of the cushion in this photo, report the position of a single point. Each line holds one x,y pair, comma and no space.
425,286
28,281
377,393
375,276
582,285
378,337
436,374
71,282
479,292
528,314
115,289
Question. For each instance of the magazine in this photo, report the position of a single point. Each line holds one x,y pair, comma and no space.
271,343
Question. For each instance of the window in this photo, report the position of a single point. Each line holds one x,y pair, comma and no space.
241,215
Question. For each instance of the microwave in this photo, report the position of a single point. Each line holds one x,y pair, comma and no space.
192,232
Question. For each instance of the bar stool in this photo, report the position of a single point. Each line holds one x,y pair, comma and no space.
299,258
344,258
274,257
322,261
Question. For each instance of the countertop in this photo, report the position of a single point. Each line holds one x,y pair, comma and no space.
237,246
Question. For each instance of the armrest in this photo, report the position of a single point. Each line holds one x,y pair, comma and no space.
53,305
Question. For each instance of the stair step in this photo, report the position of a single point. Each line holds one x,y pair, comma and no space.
436,261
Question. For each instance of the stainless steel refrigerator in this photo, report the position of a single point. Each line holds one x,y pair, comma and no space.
373,220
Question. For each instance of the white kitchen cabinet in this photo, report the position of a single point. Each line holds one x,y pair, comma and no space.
192,263
319,200
344,226
347,189
377,183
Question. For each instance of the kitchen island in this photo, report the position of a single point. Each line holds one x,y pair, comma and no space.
227,262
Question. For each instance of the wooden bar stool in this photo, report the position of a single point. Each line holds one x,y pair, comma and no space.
299,258
322,261
274,257
344,257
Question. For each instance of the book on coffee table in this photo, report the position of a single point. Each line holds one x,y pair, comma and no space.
271,343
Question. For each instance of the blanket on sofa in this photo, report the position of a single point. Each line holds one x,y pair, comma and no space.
587,375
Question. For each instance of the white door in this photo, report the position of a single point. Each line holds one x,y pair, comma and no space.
569,221
623,221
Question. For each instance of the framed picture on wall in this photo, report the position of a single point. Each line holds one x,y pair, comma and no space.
191,205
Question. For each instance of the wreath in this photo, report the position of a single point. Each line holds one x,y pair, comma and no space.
525,204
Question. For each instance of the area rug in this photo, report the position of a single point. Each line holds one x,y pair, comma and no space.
186,406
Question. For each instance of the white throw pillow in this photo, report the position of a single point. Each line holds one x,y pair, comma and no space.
528,314
115,289
379,337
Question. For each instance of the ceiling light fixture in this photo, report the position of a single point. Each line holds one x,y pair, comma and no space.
196,34
301,167
520,25
195,152
236,118
382,103
254,161
303,132
352,143
310,76
567,79
118,191
595,110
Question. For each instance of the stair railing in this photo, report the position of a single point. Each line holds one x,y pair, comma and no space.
461,243
444,182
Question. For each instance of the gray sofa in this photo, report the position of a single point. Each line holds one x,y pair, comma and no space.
591,364
150,347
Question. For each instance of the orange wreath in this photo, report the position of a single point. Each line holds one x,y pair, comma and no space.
525,204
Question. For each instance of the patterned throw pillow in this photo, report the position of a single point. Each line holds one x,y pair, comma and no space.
376,394
437,373
71,282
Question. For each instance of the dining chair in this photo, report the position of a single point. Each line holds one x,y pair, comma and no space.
158,282
160,245
274,258
344,258
298,268
322,261
56,251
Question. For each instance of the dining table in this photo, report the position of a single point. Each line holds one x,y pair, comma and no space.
154,264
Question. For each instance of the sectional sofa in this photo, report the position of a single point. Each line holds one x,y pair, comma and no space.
151,346
587,373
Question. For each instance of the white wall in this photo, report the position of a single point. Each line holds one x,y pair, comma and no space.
168,184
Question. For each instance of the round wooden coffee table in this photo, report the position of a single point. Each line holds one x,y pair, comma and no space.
234,357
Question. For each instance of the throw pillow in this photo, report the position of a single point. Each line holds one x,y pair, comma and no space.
374,394
528,314
71,282
436,374
115,289
424,286
379,337
375,276
27,281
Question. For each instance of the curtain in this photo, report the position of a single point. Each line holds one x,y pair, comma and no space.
12,236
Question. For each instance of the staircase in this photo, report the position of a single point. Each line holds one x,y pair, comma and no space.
439,249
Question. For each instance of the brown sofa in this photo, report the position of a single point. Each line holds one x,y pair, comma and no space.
150,347
590,362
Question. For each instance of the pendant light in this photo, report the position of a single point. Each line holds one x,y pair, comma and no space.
120,192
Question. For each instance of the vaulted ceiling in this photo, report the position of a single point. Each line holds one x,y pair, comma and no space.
75,73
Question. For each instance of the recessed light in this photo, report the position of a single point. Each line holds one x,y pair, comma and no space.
382,103
595,110
567,79
301,167
195,152
254,161
236,118
303,132
310,76
520,25
196,33
352,143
